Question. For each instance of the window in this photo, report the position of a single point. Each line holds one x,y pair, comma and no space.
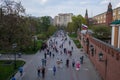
114,14
119,12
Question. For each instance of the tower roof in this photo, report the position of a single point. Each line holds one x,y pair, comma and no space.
86,14
109,7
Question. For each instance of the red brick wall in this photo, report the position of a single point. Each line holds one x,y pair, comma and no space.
109,70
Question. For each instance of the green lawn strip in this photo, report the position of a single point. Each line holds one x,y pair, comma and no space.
7,70
73,35
77,43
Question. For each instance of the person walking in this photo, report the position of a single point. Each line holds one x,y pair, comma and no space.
72,48
67,62
43,62
21,71
54,70
81,59
77,65
38,71
13,78
50,53
73,63
43,72
53,55
45,55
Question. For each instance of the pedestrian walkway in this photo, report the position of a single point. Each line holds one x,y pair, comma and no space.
86,72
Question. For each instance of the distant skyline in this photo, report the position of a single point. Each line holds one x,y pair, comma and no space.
52,8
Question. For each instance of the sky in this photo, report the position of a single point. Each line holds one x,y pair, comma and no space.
52,8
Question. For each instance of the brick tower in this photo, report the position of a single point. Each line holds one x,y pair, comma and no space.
86,17
109,14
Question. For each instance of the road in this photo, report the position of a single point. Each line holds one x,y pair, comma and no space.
86,72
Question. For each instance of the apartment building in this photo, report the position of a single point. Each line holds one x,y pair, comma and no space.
63,19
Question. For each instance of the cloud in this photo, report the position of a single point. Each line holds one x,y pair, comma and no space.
84,2
43,2
104,2
54,7
118,5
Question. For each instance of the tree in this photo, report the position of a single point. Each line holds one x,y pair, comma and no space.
45,23
78,21
102,32
14,27
71,28
51,30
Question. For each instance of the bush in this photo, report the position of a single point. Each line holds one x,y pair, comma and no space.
77,43
42,36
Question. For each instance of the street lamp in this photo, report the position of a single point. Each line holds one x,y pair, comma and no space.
103,60
87,44
92,49
100,56
14,46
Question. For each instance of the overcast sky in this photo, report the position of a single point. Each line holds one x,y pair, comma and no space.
54,7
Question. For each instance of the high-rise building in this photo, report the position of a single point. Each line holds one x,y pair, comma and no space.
63,19
56,21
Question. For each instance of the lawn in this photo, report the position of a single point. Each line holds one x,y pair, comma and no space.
77,43
7,68
73,35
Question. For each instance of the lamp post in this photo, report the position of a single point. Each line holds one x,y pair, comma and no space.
100,56
92,49
87,42
105,61
14,46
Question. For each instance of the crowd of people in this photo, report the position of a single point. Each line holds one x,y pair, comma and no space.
56,45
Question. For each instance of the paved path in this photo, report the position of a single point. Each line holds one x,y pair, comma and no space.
86,72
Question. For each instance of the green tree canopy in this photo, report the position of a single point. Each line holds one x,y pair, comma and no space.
71,28
101,32
45,23
76,23
51,30
14,28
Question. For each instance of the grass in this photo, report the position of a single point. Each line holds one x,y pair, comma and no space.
7,70
73,35
27,50
77,43
74,38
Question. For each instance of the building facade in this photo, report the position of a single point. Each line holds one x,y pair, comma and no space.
108,16
115,37
63,19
